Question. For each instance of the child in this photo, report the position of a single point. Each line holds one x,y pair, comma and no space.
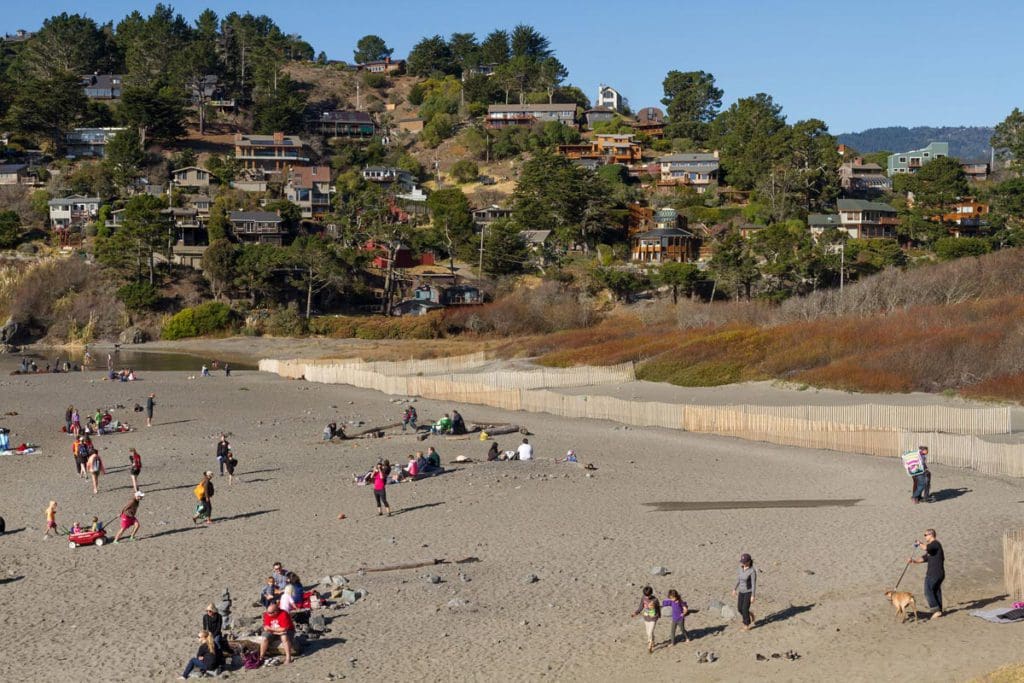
679,612
76,528
51,519
650,609
268,594
97,525
230,464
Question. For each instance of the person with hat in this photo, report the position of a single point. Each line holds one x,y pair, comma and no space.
214,623
744,590
130,517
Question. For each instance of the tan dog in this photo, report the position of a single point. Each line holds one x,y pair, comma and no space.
901,601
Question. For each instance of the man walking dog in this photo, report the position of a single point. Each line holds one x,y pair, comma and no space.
936,572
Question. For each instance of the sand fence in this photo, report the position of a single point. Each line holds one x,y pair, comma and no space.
1013,563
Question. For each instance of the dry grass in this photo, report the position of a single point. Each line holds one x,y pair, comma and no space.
1013,673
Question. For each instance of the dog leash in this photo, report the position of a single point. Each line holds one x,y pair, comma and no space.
902,575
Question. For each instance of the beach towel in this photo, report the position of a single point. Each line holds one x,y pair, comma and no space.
995,616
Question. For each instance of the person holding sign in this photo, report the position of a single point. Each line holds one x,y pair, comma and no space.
916,464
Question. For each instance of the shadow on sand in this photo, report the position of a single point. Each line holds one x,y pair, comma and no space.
949,494
783,614
416,507
694,505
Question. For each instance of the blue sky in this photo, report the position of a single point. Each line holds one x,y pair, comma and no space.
855,65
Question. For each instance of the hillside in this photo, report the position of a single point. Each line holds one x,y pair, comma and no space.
967,143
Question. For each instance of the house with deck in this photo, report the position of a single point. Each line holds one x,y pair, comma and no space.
270,153
310,188
912,161
651,122
862,219
103,86
192,177
88,142
347,124
13,174
860,178
73,211
692,169
262,227
506,115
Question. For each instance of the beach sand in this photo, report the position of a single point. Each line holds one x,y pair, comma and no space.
131,611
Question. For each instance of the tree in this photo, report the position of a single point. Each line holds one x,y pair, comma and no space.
868,256
10,229
219,266
678,276
452,221
144,231
431,56
555,194
1008,139
317,265
692,101
158,112
784,253
526,41
752,137
280,108
371,48
465,171
124,157
66,44
621,283
938,185
733,264
505,250
949,248
550,74
495,48
47,108
465,51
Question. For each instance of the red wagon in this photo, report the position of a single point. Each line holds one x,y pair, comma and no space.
96,538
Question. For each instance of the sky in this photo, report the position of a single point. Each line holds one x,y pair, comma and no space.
855,65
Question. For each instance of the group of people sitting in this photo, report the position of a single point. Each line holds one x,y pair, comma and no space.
523,452
122,375
333,431
28,366
101,422
213,646
420,465
450,424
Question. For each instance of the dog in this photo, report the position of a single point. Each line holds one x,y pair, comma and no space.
902,600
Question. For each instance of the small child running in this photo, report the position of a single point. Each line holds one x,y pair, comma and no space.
679,612
51,519
650,610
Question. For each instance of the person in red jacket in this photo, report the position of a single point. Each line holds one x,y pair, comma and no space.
277,624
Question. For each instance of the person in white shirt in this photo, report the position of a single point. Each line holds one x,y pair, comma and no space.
525,450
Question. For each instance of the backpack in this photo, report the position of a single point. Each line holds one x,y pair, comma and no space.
199,491
251,659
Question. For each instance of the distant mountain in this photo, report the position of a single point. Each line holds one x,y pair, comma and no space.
967,143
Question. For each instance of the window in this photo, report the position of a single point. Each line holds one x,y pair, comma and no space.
903,160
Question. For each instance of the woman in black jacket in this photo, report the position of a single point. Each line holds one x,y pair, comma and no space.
207,658
213,622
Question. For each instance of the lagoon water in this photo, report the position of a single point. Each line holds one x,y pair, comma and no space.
140,361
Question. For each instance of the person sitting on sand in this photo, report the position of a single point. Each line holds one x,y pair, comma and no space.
411,470
433,459
570,456
494,453
291,596
525,451
130,517
280,575
458,424
207,658
214,623
269,592
443,426
329,431
277,625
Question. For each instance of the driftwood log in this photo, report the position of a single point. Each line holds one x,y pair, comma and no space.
417,565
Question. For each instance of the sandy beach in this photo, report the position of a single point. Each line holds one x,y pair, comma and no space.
131,611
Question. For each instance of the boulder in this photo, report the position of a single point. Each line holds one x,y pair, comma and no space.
659,571
132,335
9,331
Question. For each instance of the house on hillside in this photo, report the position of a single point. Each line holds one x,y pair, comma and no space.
192,177
976,171
693,169
663,245
88,142
862,219
384,66
912,161
13,174
610,98
73,211
269,153
348,124
650,121
604,148
597,115
489,214
858,178
415,307
505,115
103,86
450,295
310,188
201,203
820,222
262,227
389,175
966,218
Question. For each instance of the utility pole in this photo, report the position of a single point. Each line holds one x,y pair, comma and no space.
357,96
480,267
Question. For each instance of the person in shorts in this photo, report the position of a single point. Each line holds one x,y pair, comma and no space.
277,625
130,517
134,467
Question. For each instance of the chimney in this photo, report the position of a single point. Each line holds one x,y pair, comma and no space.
858,161
278,138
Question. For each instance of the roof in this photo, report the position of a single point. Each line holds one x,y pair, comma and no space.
12,168
863,167
600,110
664,232
650,115
74,199
343,116
104,81
666,214
255,216
531,107
305,176
688,157
269,141
863,205
823,220
189,168
197,198
535,236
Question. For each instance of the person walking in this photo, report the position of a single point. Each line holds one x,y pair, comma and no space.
679,611
67,418
380,481
650,610
222,452
204,493
95,467
936,572
745,590
134,467
130,517
150,404
51,519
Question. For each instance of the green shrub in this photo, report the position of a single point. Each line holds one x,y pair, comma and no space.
207,318
465,171
286,322
373,80
407,327
138,296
